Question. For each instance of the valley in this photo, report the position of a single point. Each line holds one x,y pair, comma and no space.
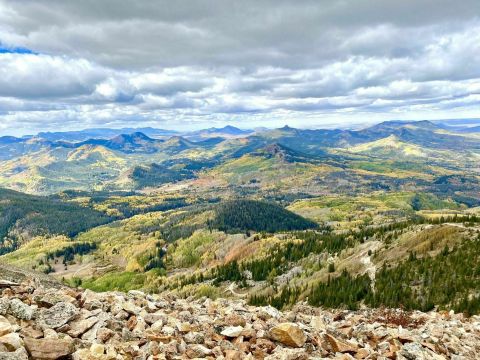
335,218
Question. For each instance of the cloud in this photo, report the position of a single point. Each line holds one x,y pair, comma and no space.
42,76
99,63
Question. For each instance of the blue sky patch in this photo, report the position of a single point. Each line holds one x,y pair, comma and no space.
16,50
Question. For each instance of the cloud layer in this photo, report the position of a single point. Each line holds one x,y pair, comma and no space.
76,64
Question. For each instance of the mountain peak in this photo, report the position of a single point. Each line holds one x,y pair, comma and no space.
131,138
397,124
178,141
229,130
229,127
281,152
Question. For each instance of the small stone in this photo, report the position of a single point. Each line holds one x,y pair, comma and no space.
79,327
131,308
127,335
104,334
157,325
268,312
19,354
249,333
97,350
50,334
265,344
194,338
4,306
168,330
233,355
198,351
131,323
289,334
362,354
52,297
289,354
340,345
136,294
91,300
317,323
11,341
31,331
235,320
5,326
153,318
184,327
81,354
155,336
232,331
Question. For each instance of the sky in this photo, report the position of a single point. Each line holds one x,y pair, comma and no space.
188,64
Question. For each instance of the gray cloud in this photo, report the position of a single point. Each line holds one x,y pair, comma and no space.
188,63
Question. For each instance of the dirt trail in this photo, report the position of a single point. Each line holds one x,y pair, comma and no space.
370,269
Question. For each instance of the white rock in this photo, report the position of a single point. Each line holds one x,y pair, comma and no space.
232,331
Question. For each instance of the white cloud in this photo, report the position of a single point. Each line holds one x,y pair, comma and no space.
42,76
111,63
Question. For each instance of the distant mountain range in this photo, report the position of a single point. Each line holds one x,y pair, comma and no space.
108,133
422,133
52,162
83,135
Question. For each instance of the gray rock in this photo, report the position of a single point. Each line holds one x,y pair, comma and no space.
194,337
19,354
79,327
20,310
4,306
415,351
198,351
58,315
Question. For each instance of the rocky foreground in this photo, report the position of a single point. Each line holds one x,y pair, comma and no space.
38,322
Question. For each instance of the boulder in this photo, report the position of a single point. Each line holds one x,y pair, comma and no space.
58,315
20,310
289,334
47,349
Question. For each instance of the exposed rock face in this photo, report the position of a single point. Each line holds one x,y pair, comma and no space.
41,323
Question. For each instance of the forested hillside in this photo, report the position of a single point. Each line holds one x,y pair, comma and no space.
25,216
244,215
